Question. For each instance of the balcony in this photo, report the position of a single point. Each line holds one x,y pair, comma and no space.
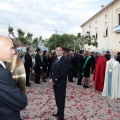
117,29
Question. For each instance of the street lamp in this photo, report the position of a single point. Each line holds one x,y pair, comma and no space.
75,43
55,38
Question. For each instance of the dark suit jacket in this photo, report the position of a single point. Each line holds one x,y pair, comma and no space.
28,61
58,73
12,100
92,60
80,62
71,62
38,62
107,56
45,63
118,58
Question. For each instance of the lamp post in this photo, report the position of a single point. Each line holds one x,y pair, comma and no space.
55,38
75,43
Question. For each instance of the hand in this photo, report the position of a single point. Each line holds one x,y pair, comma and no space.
24,91
51,81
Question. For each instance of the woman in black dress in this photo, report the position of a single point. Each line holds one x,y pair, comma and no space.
86,68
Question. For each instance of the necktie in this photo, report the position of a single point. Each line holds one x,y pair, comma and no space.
56,60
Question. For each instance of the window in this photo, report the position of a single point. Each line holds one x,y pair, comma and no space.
105,16
105,32
96,36
119,19
96,33
89,26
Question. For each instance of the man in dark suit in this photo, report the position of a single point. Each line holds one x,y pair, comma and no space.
12,100
28,65
92,61
45,66
58,77
80,67
38,66
107,55
71,66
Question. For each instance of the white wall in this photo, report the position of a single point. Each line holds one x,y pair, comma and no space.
113,39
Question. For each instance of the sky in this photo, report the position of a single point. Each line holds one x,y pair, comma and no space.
47,17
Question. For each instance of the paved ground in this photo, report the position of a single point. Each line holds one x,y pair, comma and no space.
81,103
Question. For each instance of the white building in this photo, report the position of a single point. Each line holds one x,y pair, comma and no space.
105,25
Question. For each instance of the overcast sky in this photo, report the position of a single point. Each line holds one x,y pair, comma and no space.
44,17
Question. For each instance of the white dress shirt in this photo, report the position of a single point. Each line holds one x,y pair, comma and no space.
2,64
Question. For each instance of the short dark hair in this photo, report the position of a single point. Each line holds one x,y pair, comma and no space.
59,46
65,49
38,49
44,52
81,51
27,49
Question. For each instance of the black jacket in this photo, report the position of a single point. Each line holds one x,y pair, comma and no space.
58,72
80,62
12,100
28,61
38,62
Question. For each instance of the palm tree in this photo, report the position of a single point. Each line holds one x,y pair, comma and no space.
35,42
10,30
29,38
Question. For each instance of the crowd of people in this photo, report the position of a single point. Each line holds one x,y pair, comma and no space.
81,64
56,67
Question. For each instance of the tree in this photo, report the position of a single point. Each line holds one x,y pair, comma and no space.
29,38
64,40
21,37
10,30
40,39
35,42
86,39
20,33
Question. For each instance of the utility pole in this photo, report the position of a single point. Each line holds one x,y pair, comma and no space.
55,38
8,31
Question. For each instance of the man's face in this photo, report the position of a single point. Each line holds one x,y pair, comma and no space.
59,51
7,51
29,50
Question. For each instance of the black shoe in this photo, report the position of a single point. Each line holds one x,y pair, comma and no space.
28,85
79,84
54,115
37,82
71,81
44,81
86,86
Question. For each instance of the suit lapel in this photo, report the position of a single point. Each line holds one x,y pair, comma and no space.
1,66
55,65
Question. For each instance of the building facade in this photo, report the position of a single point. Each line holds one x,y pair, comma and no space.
105,25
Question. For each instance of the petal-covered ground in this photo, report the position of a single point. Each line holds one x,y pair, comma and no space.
81,103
